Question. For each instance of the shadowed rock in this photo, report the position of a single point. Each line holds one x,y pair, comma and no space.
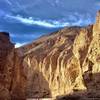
92,92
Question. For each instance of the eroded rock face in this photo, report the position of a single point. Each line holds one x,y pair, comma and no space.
60,63
53,58
59,58
92,63
6,65
12,77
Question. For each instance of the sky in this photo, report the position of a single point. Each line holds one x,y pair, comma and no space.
26,20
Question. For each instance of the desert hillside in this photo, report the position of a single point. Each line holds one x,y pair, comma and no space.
64,64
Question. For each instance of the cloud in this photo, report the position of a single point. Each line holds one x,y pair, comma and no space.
78,20
39,22
19,44
9,2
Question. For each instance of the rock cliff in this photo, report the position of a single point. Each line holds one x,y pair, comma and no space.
66,62
6,65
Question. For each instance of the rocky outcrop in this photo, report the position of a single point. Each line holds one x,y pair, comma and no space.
59,57
6,65
60,63
91,66
11,71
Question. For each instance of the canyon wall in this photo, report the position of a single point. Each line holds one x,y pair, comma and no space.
59,58
6,65
56,64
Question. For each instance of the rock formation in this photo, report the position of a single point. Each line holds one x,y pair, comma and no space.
6,65
61,63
